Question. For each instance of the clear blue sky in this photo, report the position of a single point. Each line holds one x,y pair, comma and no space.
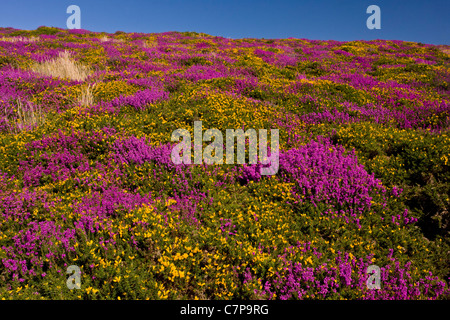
409,20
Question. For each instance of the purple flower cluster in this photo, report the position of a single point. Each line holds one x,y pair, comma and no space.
403,219
297,281
43,243
227,227
322,172
18,206
188,206
141,99
280,60
60,156
59,166
134,150
250,173
199,72
95,211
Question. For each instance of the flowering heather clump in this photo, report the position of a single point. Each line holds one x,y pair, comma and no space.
323,173
134,150
86,176
40,246
300,282
141,99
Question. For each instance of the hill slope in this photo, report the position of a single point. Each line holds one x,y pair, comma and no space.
86,176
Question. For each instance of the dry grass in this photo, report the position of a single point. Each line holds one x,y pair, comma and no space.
62,67
445,49
87,97
106,39
20,39
28,116
149,44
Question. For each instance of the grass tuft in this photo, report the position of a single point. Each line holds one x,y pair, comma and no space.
28,116
87,97
63,67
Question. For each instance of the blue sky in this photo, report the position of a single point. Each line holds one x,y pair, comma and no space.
342,20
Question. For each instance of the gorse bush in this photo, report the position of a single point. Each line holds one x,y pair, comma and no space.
113,89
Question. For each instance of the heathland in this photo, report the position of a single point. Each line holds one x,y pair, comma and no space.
86,176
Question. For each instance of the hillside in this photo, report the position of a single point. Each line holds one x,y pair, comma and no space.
87,178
